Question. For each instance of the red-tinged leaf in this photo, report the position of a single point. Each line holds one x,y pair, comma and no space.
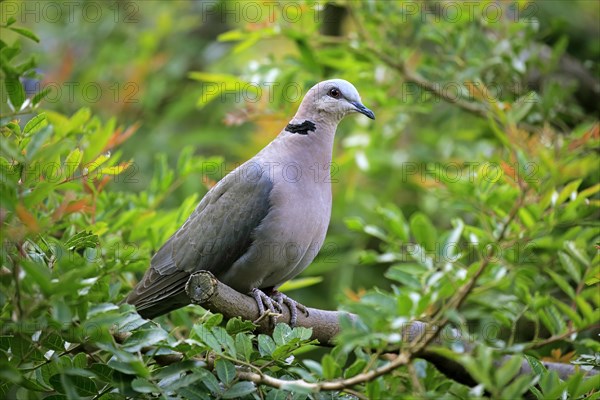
27,218
117,137
594,132
77,206
103,182
69,206
508,169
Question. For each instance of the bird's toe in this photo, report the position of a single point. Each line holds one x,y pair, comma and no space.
266,306
292,305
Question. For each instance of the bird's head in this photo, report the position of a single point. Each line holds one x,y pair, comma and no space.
336,98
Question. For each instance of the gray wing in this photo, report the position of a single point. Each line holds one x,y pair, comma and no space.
215,235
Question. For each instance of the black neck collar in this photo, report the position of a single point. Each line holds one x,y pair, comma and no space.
301,129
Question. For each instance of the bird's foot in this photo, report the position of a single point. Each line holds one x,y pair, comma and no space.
266,306
292,304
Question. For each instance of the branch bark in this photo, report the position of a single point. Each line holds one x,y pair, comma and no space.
207,291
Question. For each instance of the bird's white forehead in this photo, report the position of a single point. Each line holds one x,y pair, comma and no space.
345,87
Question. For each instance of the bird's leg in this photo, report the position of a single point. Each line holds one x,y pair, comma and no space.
292,304
263,300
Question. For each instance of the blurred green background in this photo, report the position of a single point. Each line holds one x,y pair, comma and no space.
132,60
486,136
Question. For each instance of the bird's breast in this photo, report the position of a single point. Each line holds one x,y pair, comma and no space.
291,234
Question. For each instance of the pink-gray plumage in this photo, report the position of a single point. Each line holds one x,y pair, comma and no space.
264,222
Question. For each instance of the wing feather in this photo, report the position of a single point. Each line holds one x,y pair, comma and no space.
215,235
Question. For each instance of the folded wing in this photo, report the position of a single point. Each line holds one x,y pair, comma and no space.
217,233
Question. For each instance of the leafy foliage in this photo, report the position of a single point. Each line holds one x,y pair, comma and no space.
471,203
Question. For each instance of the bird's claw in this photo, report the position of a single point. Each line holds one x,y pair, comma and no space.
292,305
273,306
266,306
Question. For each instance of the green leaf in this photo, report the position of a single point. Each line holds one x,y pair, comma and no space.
80,365
103,372
221,83
239,389
38,273
526,217
584,386
300,283
373,389
331,369
355,368
536,365
142,385
77,120
225,340
423,230
570,266
144,338
587,311
232,35
82,240
452,242
175,370
25,32
551,319
508,370
73,386
396,221
225,371
37,142
282,334
213,320
574,383
115,169
276,394
15,90
398,273
38,97
206,337
302,333
8,53
589,191
354,224
212,383
243,345
94,165
562,283
53,341
35,124
376,231
133,367
266,345
569,312
72,162
522,106
129,321
237,325
194,392
578,253
518,387
565,193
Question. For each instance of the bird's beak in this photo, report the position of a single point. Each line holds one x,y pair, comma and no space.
363,110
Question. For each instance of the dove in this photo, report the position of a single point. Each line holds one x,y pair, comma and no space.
264,222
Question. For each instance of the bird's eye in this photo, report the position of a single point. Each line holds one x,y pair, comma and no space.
335,93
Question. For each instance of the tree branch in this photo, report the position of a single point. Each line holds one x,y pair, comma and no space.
205,290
